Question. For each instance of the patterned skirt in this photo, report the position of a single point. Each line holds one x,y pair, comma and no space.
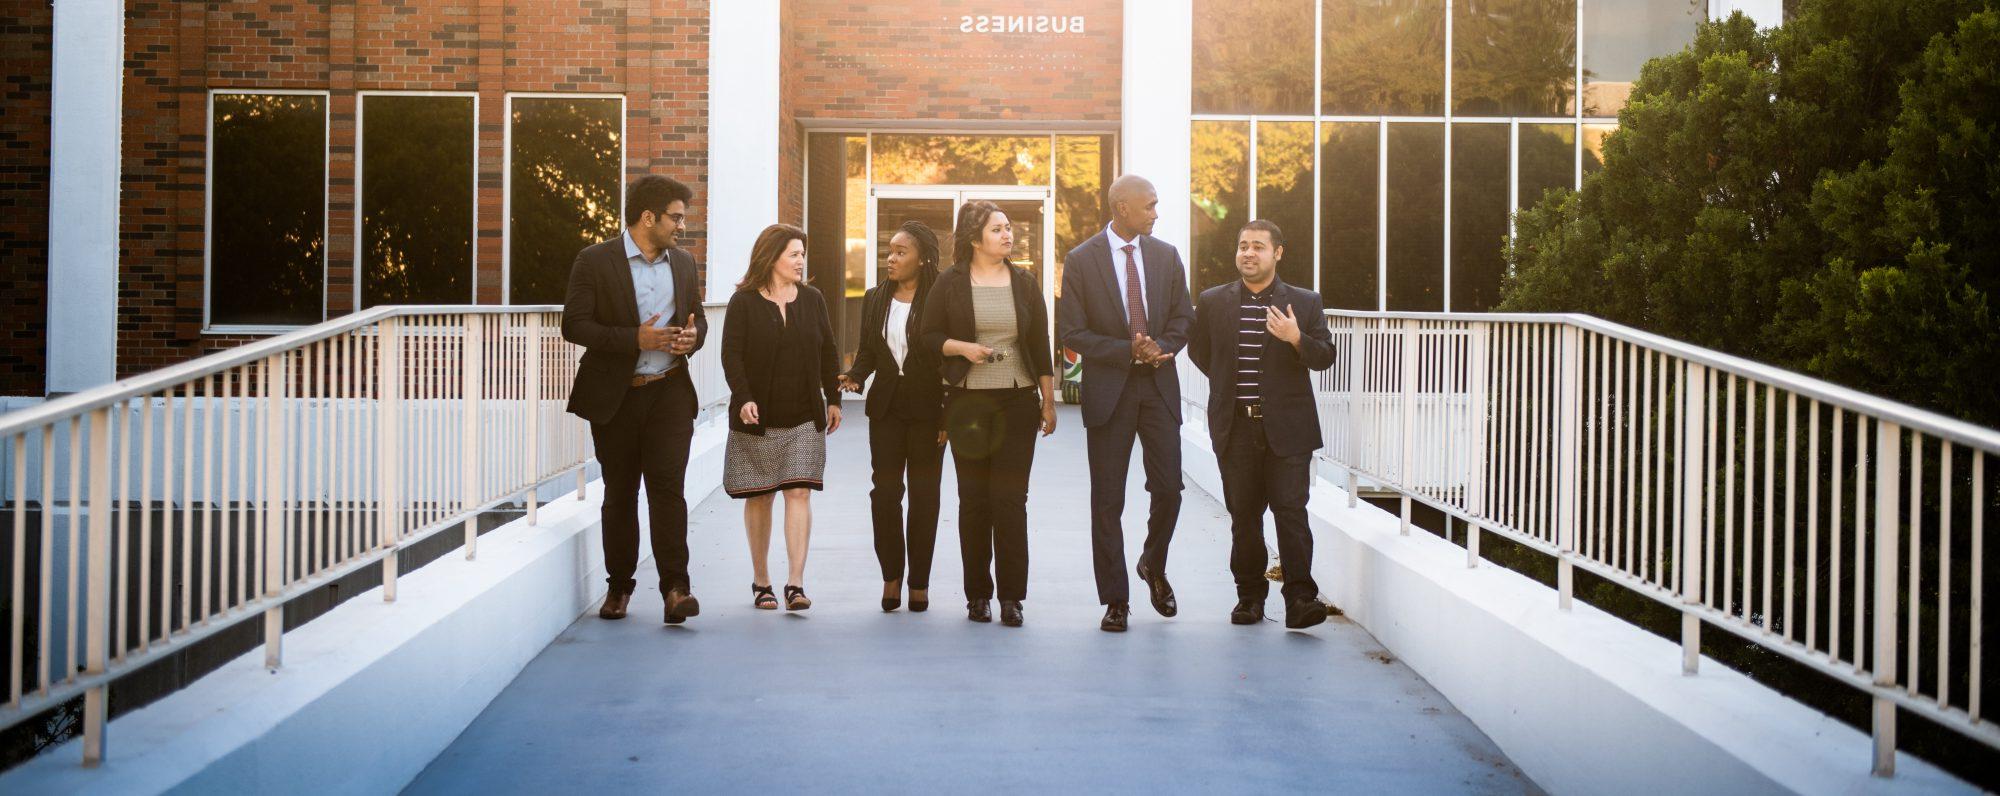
782,458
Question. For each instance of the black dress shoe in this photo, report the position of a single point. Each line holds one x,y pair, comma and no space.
1114,618
1248,611
1162,593
1304,613
1010,613
979,610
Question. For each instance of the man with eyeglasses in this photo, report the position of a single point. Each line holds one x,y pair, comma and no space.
634,304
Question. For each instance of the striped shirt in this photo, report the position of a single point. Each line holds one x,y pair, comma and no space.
1252,332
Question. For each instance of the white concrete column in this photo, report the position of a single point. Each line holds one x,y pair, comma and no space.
743,47
1766,13
1157,97
89,60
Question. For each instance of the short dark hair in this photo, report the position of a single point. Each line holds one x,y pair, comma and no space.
654,192
1277,235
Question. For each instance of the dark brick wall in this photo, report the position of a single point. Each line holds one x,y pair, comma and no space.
654,52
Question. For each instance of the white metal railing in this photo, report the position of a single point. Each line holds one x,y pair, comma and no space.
1745,496
172,505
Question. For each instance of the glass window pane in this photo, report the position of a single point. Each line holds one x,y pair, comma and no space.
1253,56
267,193
1621,35
1219,191
1285,193
1513,57
1478,215
1084,168
1416,217
906,159
1382,57
416,200
1350,254
1548,160
837,225
1593,146
565,189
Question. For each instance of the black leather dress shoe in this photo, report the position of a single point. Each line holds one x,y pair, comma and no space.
1010,613
1247,612
1304,613
1115,615
979,610
1161,592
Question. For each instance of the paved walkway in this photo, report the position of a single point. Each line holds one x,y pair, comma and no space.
844,697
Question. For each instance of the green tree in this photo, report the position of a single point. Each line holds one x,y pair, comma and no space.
1819,195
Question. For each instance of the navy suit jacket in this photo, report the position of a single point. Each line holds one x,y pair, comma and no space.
1090,320
1291,412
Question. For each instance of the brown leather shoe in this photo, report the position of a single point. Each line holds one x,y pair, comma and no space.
614,606
681,605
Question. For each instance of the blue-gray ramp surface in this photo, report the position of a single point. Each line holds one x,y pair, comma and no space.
844,697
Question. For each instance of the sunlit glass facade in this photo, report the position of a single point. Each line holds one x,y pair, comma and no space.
1393,140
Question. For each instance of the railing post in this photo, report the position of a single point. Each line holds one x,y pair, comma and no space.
276,447
1475,431
389,448
1888,465
534,463
97,599
1353,487
1357,360
1694,420
1407,380
1568,414
470,354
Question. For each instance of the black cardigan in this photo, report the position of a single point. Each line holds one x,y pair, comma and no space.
914,392
948,316
750,337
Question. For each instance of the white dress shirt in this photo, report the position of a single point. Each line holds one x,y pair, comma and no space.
1118,265
896,330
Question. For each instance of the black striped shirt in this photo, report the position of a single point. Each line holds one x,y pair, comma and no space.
1252,333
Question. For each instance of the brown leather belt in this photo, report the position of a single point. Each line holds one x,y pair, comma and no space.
643,380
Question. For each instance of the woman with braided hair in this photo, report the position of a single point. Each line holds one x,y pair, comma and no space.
905,440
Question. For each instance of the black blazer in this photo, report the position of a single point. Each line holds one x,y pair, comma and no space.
1090,320
948,316
601,313
1291,413
750,339
915,390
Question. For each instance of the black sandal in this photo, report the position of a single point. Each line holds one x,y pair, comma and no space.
796,599
762,597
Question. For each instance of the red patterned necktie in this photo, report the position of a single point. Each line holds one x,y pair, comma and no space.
1135,305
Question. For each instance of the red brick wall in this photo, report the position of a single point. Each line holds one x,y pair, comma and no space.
652,51
26,36
908,61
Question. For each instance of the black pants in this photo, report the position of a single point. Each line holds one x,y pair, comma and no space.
1253,480
1143,414
647,440
992,449
896,446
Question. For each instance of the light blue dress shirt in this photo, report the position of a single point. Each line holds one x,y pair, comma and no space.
653,285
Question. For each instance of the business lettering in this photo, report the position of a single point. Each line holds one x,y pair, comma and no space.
1020,23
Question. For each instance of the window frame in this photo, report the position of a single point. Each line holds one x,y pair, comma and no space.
507,170
208,325
360,155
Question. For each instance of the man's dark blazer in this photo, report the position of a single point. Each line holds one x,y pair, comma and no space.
601,313
1090,320
915,388
1291,412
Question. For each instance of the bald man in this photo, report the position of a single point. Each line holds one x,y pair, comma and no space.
1125,309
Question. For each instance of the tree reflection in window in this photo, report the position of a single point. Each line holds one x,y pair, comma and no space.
1220,195
1416,217
1382,57
1083,170
267,194
1350,236
1478,215
1285,194
1513,57
416,200
1548,161
1621,35
909,159
564,188
1253,56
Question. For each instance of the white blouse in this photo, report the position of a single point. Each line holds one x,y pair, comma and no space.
896,330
